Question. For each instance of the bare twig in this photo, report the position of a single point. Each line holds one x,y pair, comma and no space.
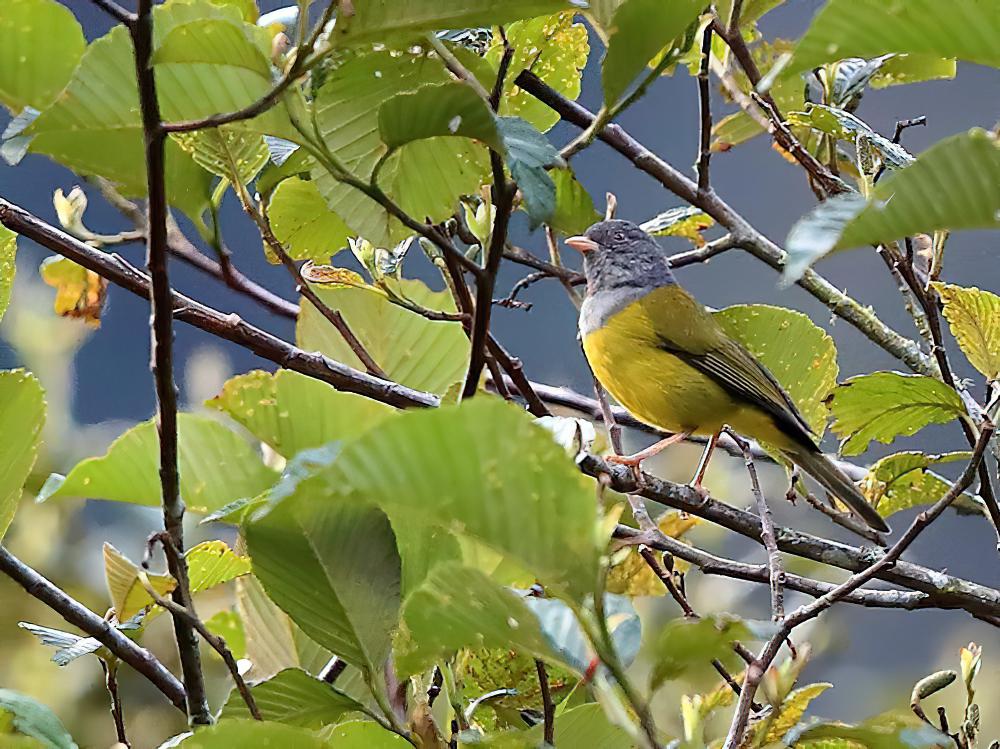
756,671
745,235
843,519
776,571
116,11
162,334
95,626
705,101
548,706
111,682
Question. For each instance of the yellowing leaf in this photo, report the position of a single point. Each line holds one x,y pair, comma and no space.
687,221
792,709
128,596
80,293
885,405
974,318
8,248
899,481
330,275
553,48
226,152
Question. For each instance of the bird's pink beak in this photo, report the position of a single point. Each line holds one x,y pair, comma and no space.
581,244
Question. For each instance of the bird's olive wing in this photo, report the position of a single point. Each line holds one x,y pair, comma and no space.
740,374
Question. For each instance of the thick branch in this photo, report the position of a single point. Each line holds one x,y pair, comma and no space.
745,235
229,327
948,592
162,334
100,629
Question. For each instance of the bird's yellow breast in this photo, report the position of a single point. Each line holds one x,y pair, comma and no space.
658,387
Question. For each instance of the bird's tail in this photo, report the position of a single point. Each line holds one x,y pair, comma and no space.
821,468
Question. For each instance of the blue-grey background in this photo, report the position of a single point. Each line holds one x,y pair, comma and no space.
110,378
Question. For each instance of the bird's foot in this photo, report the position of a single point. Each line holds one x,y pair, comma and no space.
700,490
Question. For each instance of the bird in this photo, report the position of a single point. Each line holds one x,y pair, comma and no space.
666,359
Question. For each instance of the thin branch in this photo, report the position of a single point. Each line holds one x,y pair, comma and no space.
116,11
299,67
184,249
216,642
844,519
776,571
162,334
503,200
456,67
524,257
756,671
95,626
260,218
704,253
228,327
548,706
705,101
117,714
668,582
745,235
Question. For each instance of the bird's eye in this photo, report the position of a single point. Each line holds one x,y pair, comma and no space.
619,236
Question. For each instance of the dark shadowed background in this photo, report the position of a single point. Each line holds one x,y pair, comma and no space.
872,656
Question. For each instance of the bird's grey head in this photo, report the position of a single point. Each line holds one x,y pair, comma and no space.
619,255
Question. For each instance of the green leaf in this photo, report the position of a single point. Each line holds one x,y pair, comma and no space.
902,69
128,596
587,725
817,233
639,30
574,210
31,718
357,734
885,405
304,224
234,154
22,417
291,412
843,125
398,467
334,569
902,480
216,467
212,563
528,154
273,641
8,266
377,20
553,48
417,352
693,643
229,626
684,221
425,177
965,29
229,733
294,698
440,110
888,731
458,607
40,45
808,370
974,318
